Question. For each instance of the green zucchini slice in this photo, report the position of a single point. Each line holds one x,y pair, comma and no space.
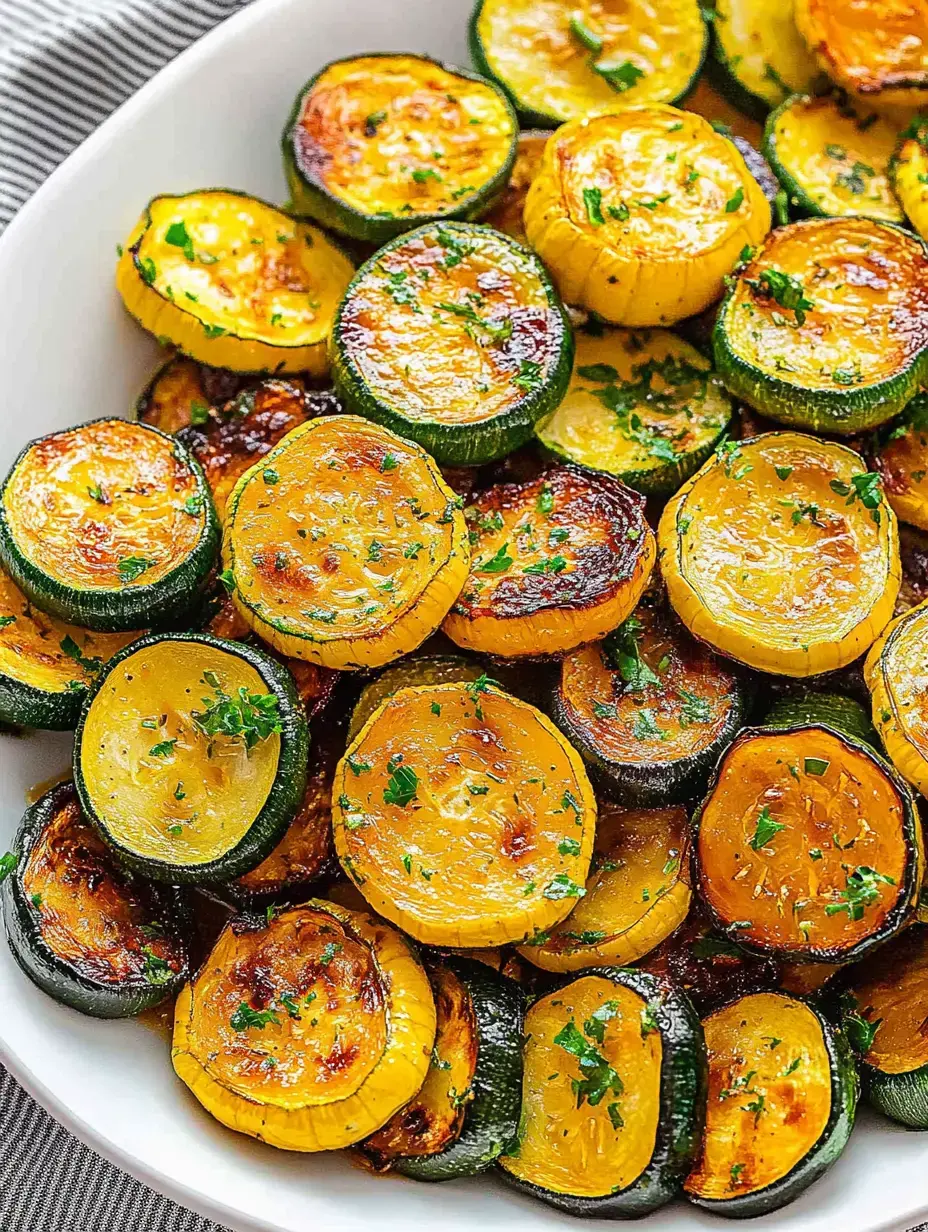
902,460
759,56
884,1009
409,673
909,170
649,708
808,846
557,563
46,665
454,337
830,709
109,525
379,144
642,405
613,1097
637,893
782,1100
468,1107
560,61
824,327
832,160
190,756
84,929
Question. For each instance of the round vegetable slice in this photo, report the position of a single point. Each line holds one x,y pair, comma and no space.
506,215
640,213
468,1107
884,1009
808,845
454,337
46,665
896,676
379,144
557,562
345,546
649,709
829,709
177,394
109,525
782,1099
781,553
308,1030
831,159
86,931
878,52
759,56
464,816
233,282
909,171
190,756
642,405
407,674
562,61
613,1096
637,893
235,438
823,328
902,461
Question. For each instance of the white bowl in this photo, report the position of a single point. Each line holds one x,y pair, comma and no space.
69,353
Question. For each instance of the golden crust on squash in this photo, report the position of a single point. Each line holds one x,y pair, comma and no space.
878,50
896,670
632,235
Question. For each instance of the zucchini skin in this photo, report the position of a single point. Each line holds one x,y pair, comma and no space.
43,966
268,827
458,444
845,1094
683,1089
901,1097
312,200
652,784
831,709
133,606
23,705
895,919
492,1117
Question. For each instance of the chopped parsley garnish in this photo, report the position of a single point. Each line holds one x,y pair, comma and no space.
623,650
861,891
598,1078
422,175
567,846
250,716
583,34
551,564
8,862
695,709
147,270
193,505
373,122
864,487
545,502
7,620
593,201
498,563
164,749
270,476
497,331
620,76
156,970
388,463
528,377
767,827
784,289
734,202
403,784
561,886
227,578
245,1018
331,949
132,567
68,646
645,728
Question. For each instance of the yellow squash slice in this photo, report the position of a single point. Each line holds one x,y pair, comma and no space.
878,50
639,214
464,816
308,1032
637,893
781,554
561,60
897,676
902,460
233,282
909,170
558,562
346,546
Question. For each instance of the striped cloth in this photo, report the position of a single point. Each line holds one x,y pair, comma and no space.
64,66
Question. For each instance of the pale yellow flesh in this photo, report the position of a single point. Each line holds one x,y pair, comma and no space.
897,675
751,1045
31,644
135,791
577,1150
530,46
772,58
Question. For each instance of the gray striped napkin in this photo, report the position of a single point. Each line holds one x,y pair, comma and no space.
64,66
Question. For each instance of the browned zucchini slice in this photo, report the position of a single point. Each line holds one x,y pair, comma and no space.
556,562
88,932
649,708
808,845
782,554
637,893
464,816
308,1030
902,460
177,395
640,213
379,144
233,282
506,215
879,51
782,1099
345,545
